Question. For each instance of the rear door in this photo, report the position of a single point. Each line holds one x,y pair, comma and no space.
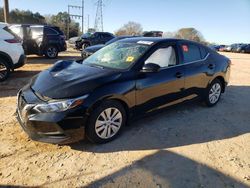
34,39
197,68
159,89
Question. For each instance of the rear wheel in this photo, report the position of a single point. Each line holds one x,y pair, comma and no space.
4,70
106,122
51,52
213,93
85,45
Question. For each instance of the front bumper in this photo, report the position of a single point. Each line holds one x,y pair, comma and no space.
20,63
57,128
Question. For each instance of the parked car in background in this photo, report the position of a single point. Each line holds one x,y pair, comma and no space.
152,34
11,52
217,47
244,48
72,41
90,39
237,47
92,49
124,79
41,39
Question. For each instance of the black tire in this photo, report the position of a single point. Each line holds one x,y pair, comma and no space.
85,45
92,125
242,51
212,98
4,70
51,52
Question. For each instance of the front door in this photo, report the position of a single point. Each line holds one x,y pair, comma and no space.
155,90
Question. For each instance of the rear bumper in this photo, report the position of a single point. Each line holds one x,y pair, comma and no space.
57,128
20,63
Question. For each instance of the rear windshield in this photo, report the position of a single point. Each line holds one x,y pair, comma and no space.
11,32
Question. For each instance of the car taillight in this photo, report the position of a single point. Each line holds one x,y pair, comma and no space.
13,41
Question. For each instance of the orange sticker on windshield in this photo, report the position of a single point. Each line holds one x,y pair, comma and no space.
130,59
185,48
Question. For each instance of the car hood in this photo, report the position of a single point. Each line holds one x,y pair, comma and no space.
94,48
69,79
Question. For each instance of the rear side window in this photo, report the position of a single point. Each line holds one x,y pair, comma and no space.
203,52
50,31
106,35
190,52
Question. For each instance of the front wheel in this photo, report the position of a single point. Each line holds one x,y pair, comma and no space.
51,52
4,70
106,122
213,93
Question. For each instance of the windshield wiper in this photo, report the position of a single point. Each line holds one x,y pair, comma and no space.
95,65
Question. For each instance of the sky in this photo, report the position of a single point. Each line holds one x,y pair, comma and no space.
220,21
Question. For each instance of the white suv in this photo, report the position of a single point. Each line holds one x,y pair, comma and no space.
11,52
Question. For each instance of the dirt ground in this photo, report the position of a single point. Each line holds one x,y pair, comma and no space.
185,146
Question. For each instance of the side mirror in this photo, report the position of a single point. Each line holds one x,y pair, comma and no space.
150,67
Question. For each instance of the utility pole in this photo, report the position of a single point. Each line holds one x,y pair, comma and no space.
75,16
99,16
6,11
82,16
88,21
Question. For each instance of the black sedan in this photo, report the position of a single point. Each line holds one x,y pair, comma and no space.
126,78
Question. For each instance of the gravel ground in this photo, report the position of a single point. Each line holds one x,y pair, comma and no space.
185,146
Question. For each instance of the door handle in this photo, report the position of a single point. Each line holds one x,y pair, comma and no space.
178,75
211,66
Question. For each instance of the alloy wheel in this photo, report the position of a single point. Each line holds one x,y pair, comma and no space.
214,93
108,123
52,52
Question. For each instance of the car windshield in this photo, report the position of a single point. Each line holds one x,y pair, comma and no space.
118,55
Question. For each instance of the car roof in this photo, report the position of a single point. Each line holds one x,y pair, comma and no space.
157,40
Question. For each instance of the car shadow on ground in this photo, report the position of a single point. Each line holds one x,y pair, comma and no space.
175,127
184,124
167,169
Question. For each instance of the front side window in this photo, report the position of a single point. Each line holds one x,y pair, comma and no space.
164,57
118,55
190,53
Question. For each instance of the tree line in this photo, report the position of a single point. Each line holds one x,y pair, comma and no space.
189,33
28,17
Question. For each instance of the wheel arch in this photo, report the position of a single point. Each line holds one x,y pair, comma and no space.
7,58
117,98
222,80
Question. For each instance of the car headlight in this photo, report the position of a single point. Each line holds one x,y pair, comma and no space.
59,106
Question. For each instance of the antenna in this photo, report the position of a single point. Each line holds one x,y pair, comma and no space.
99,16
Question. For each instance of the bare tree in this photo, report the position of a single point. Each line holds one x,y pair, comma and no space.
190,34
131,28
169,35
